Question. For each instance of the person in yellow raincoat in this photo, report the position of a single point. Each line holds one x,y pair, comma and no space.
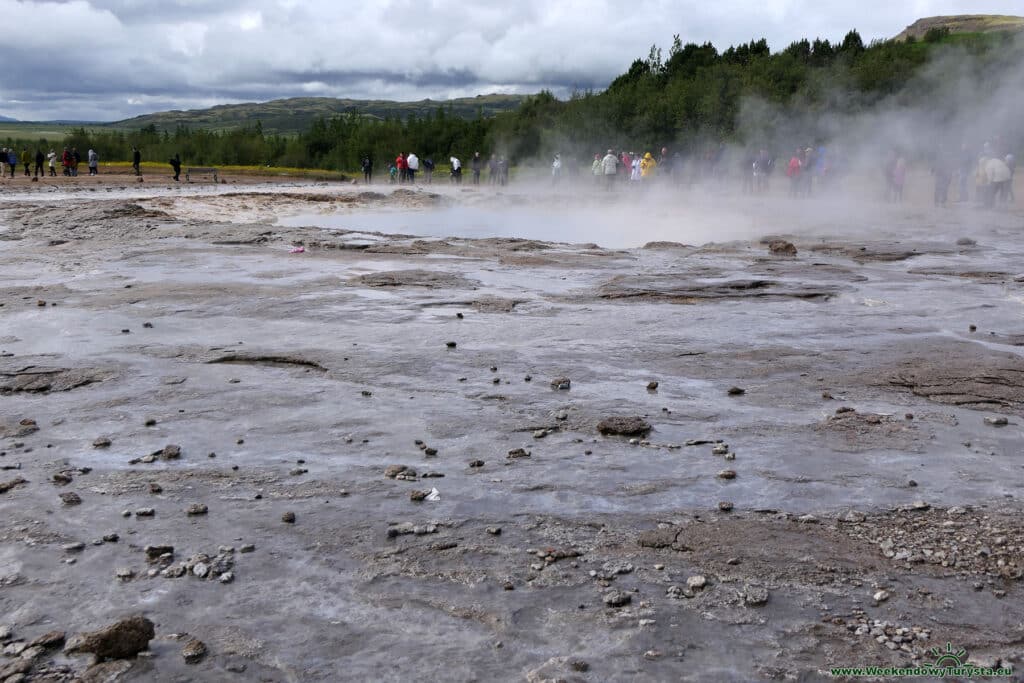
647,166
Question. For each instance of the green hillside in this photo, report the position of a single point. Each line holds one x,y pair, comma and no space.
963,23
295,115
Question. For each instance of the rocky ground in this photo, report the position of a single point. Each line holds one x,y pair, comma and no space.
389,457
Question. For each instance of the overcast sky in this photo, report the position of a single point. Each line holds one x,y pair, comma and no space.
103,60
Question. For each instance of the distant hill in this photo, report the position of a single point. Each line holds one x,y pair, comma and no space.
296,114
964,23
8,119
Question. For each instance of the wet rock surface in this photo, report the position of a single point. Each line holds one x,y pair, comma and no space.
585,557
123,639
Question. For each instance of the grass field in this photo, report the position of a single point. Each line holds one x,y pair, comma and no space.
54,133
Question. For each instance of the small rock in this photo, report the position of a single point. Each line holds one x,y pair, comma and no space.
652,386
616,598
288,517
196,509
227,577
540,433
392,471
561,383
755,595
156,552
727,474
736,391
518,453
921,505
150,422
418,495
430,452
298,471
75,547
579,665
624,426
201,569
145,512
193,651
155,488
121,640
720,449
101,442
62,478
124,574
697,582
451,344
782,248
111,538
996,421
494,530
171,452
476,463
70,498
725,506
880,596
247,548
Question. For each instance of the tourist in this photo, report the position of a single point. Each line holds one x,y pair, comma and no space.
412,164
502,170
492,170
175,163
94,162
76,159
403,168
456,170
964,171
26,161
609,166
136,160
556,169
648,166
52,157
367,164
476,164
793,172
998,177
762,168
428,169
39,163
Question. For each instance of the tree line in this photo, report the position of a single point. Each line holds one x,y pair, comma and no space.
693,96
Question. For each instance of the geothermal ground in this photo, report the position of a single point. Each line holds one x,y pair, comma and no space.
391,457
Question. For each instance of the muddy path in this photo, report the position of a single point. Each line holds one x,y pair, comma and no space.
379,458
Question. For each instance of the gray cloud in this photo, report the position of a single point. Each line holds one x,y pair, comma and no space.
110,59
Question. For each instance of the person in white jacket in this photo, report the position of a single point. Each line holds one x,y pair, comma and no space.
413,163
52,156
609,165
997,177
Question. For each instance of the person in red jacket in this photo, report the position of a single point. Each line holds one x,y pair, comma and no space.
403,167
793,172
65,160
